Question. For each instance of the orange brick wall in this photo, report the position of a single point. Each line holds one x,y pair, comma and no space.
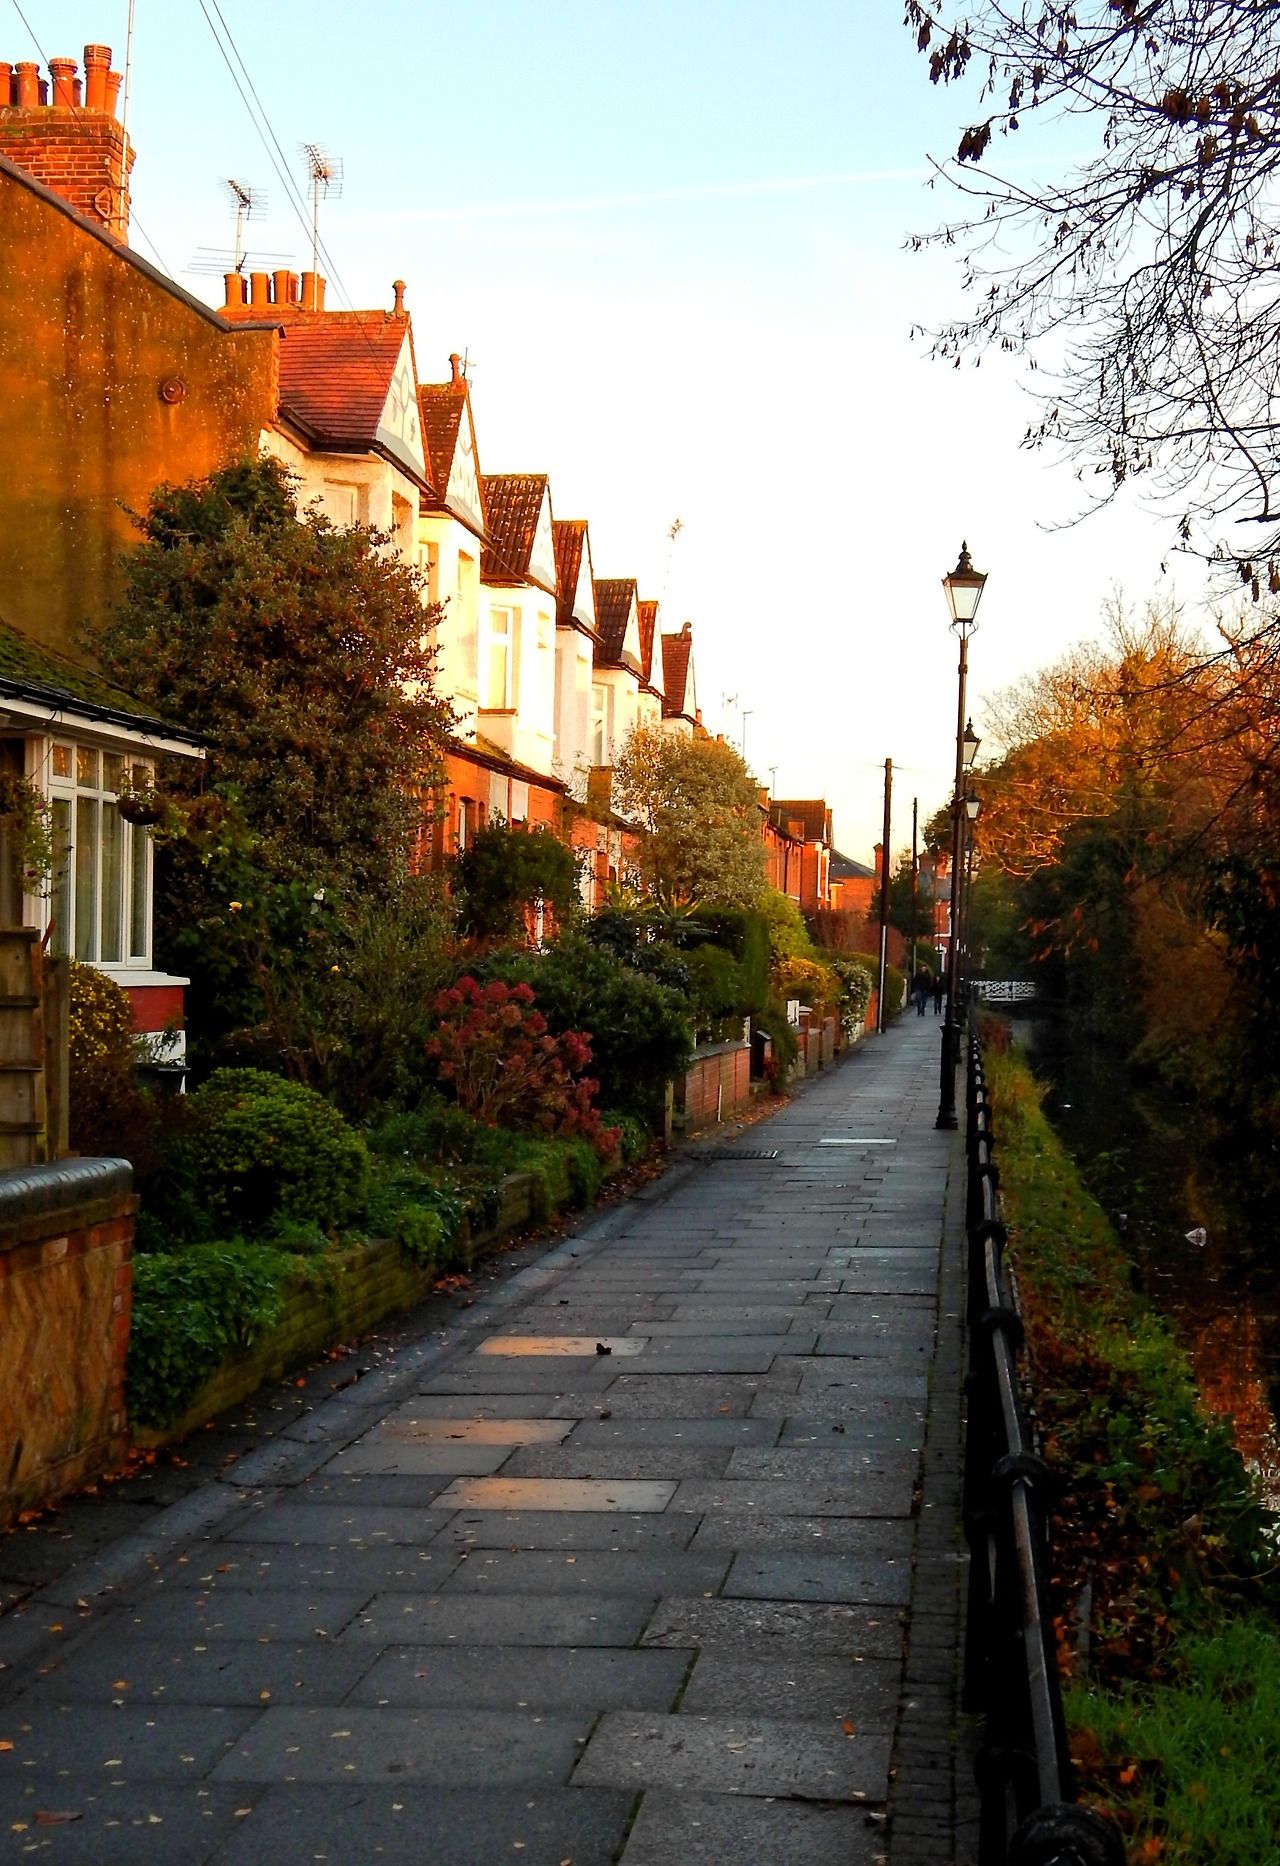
111,382
715,1086
66,1279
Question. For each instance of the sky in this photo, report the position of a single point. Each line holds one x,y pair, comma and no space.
670,237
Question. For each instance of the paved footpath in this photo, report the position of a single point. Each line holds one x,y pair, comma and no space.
651,1556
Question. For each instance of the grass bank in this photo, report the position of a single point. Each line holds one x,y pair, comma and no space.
1165,1599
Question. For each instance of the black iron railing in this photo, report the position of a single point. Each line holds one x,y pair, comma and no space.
1029,1816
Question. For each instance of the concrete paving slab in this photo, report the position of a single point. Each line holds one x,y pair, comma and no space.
862,1494
241,1613
722,1830
624,1462
134,1743
685,1396
121,1823
382,1454
869,1376
786,1575
744,1355
870,1537
412,1825
570,1347
496,1406
410,1424
278,1565
565,1529
345,1524
837,1462
835,1403
377,1492
590,1678
696,1432
455,1748
797,1688
550,1493
500,1620
758,1628
529,1377
734,1755
596,1571
248,1672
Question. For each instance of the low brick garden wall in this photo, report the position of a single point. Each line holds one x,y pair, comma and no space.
364,1285
66,1242
716,1086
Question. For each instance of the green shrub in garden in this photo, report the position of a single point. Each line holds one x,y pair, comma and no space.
189,1311
640,1032
259,1147
856,983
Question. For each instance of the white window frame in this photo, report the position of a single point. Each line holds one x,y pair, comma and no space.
79,784
599,723
499,634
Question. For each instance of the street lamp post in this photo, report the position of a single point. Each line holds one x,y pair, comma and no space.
963,587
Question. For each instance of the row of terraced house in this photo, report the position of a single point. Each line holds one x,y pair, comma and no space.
114,380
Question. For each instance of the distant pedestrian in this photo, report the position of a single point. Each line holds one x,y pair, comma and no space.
939,992
921,986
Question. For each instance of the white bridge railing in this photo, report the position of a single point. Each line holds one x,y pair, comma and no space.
1004,990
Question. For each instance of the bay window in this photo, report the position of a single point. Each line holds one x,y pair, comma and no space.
101,882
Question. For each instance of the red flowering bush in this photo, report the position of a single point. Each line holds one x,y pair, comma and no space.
494,1050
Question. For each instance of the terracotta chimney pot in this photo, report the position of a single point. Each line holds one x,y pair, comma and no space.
97,63
77,93
455,366
294,288
6,84
63,71
320,284
259,288
28,76
233,288
310,295
280,283
397,286
114,81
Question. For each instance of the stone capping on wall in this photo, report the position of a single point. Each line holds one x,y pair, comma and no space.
35,1200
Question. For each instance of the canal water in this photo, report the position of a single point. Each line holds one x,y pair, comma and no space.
1200,1220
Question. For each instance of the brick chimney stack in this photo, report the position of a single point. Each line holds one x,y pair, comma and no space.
66,134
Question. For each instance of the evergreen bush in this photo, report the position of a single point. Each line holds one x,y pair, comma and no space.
260,1148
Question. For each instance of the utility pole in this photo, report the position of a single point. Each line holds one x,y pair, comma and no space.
881,1019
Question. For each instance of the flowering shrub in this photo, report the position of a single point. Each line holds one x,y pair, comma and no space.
494,1050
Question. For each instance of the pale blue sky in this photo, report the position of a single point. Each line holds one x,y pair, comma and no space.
671,238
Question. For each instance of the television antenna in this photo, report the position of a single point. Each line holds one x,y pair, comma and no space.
673,532
246,204
324,178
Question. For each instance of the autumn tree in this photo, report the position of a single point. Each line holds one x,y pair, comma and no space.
300,652
1131,250
698,808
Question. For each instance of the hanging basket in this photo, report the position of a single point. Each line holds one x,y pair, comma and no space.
143,808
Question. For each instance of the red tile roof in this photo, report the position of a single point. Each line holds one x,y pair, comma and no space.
614,596
570,535
648,630
335,372
441,406
676,650
811,812
512,505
